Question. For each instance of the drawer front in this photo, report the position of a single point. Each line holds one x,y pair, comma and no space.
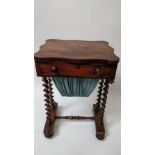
75,70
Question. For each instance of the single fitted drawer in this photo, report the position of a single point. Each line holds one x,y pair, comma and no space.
65,69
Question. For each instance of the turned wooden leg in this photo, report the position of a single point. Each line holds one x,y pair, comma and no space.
51,107
99,95
99,109
104,95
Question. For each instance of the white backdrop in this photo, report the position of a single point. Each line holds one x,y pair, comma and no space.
84,20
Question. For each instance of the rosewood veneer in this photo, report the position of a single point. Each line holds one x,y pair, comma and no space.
76,59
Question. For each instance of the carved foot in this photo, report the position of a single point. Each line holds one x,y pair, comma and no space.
49,125
98,118
48,130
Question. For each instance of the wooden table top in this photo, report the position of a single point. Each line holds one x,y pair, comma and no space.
77,51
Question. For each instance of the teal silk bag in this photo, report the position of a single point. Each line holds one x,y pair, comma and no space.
80,87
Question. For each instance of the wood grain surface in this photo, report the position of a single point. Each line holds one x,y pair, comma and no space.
76,51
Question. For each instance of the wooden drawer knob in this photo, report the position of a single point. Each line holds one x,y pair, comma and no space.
97,71
54,70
